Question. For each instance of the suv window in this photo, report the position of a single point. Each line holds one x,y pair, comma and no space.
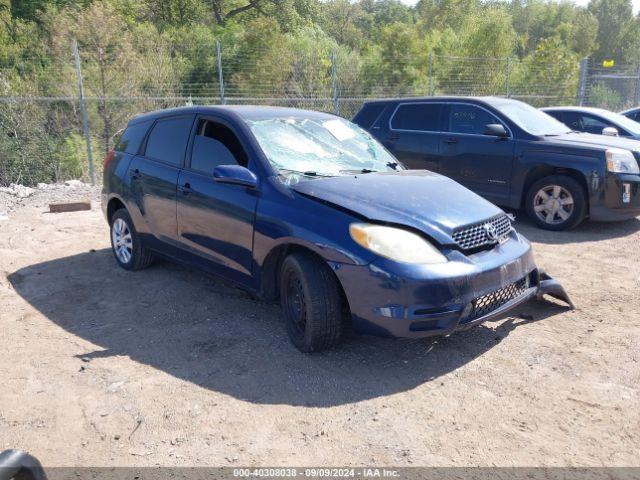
131,138
593,124
634,115
469,119
423,117
168,139
215,144
560,116
368,114
572,120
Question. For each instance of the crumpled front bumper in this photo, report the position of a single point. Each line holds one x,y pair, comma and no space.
545,286
389,299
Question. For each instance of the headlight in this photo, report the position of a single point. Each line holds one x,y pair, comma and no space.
621,161
395,243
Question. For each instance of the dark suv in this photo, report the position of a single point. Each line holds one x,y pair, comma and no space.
512,154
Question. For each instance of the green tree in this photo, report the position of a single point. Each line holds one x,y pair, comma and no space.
551,73
617,36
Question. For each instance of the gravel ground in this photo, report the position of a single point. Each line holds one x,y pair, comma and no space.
171,367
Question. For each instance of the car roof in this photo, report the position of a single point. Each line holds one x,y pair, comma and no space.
629,110
245,112
601,111
488,100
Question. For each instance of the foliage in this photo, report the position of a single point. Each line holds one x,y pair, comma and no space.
606,97
154,51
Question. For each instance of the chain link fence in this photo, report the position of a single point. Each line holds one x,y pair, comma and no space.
49,131
610,86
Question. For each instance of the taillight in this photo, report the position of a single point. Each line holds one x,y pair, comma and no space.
108,158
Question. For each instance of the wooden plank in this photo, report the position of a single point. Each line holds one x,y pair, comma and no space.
70,206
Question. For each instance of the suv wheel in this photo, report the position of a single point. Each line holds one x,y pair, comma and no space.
556,202
311,303
126,245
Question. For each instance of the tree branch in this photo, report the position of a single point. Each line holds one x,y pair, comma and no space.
244,8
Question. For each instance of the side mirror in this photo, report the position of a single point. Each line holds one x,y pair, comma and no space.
496,130
610,131
235,175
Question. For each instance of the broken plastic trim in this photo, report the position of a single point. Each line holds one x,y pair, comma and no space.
550,286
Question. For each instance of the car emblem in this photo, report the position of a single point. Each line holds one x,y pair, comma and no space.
490,231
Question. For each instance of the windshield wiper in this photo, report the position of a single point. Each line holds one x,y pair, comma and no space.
361,170
306,174
393,165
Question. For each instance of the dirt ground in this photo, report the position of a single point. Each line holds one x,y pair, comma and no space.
167,366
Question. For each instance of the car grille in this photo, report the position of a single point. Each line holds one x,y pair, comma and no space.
484,233
491,301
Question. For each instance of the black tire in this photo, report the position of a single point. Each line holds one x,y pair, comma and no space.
311,303
568,186
140,256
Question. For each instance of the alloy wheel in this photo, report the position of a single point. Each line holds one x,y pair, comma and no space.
553,204
122,240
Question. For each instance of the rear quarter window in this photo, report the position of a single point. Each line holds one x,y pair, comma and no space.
131,138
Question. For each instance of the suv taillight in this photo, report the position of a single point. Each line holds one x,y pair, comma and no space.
108,158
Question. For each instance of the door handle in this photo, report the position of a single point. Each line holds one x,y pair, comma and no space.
185,189
135,174
451,140
393,137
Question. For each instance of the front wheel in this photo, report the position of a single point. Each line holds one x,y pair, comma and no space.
556,202
311,303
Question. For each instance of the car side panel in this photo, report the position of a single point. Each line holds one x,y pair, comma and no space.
536,156
417,150
215,221
285,217
115,181
153,194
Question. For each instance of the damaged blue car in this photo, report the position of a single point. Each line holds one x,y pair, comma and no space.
310,209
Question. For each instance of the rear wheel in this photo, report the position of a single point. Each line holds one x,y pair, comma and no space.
126,245
311,303
556,202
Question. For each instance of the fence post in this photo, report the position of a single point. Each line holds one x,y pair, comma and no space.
83,112
220,78
508,79
582,86
430,74
334,85
636,93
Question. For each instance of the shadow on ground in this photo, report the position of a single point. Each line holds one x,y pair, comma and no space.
587,231
204,331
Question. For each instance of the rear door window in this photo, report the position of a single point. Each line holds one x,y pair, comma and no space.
557,115
573,120
168,140
131,137
368,114
469,119
421,117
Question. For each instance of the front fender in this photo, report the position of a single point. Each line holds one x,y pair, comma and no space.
550,161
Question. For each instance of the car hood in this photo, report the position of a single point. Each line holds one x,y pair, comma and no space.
603,141
420,199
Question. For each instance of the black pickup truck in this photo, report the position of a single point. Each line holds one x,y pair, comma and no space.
512,154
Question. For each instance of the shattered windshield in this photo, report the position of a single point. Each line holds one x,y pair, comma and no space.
301,148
